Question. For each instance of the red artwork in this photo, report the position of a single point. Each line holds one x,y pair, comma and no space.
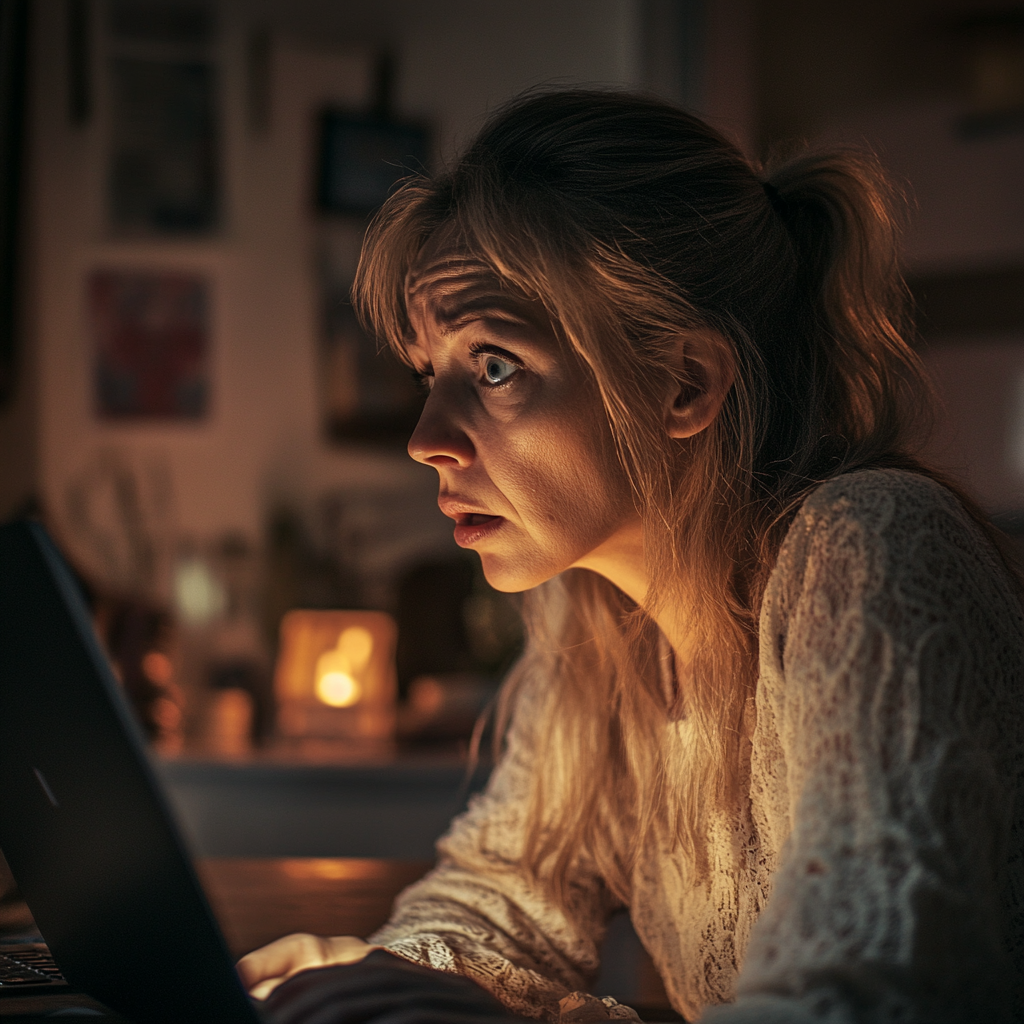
152,340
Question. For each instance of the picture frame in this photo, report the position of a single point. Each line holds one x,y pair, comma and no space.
164,175
363,157
152,339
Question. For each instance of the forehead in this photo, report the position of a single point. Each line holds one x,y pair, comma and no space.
446,274
432,285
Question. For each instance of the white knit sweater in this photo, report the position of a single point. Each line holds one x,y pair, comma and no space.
876,872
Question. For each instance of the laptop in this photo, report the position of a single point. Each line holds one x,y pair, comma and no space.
84,825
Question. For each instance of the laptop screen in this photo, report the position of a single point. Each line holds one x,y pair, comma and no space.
83,823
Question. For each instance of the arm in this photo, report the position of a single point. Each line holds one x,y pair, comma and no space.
891,677
480,915
477,914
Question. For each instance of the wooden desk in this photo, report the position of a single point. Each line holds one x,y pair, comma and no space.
259,900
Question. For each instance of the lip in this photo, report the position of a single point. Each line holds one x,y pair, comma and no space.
472,523
469,533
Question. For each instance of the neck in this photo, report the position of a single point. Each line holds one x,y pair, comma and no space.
620,560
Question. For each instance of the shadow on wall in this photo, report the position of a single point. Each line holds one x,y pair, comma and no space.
972,335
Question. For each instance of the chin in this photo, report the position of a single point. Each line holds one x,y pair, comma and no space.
512,578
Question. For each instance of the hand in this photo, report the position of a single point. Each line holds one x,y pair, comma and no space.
264,969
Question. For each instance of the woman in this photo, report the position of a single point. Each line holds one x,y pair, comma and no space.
771,699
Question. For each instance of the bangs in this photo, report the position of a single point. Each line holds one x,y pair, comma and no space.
394,238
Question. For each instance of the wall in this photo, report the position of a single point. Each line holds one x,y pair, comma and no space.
967,218
263,432
890,76
461,59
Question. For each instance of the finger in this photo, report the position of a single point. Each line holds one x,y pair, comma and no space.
280,958
265,987
346,949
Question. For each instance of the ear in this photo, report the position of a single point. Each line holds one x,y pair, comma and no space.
704,369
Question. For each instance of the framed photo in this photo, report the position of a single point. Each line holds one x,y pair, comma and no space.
362,158
164,147
151,344
164,176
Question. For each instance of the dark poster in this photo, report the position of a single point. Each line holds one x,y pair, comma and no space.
163,171
151,334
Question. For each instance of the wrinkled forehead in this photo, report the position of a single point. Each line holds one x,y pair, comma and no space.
446,273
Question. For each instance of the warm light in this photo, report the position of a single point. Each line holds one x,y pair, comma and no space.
357,644
335,676
338,689
198,595
336,670
333,869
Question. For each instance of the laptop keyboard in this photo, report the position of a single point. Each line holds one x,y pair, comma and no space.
30,966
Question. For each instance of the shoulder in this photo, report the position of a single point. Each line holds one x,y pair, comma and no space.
880,501
897,547
869,524
891,550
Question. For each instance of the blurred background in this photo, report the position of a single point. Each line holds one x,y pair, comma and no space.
190,406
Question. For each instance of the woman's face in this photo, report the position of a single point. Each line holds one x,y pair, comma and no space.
514,426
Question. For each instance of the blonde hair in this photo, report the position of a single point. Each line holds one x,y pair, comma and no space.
633,221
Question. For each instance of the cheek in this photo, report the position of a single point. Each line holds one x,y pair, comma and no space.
567,504
571,486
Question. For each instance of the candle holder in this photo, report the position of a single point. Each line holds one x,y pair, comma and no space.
335,676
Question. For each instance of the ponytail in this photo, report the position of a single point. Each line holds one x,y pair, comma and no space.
866,387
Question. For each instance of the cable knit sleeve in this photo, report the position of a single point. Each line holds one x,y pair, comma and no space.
478,914
890,712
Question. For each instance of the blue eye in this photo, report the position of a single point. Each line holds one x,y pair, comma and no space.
497,370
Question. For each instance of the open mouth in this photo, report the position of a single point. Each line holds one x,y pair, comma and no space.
473,527
473,519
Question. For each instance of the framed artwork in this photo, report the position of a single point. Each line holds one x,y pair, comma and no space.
164,171
163,161
151,344
363,157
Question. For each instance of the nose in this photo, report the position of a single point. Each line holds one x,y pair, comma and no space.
438,440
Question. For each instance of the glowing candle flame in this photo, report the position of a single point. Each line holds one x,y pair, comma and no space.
336,670
338,689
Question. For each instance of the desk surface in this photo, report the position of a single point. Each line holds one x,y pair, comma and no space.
259,900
